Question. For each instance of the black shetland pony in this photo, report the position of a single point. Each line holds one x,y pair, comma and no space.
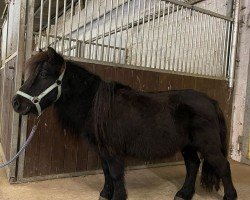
120,121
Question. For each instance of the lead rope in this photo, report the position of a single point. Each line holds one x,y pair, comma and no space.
26,143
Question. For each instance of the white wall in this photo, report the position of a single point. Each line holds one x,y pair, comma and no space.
241,102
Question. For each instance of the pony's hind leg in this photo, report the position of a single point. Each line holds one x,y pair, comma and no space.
221,167
192,163
108,189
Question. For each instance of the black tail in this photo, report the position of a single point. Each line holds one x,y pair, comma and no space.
209,179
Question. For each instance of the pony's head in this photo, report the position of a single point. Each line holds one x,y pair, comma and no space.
42,88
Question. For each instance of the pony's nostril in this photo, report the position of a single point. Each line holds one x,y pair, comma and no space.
16,104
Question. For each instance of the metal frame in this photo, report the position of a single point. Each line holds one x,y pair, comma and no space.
147,18
234,44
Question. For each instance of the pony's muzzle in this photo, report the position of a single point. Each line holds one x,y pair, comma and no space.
16,103
20,106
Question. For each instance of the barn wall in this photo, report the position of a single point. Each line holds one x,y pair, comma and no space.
7,79
56,151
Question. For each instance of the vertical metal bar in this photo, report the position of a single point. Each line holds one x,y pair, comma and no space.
176,33
116,24
196,52
167,40
163,34
217,47
64,16
221,47
56,21
137,31
84,27
170,67
213,48
191,37
122,21
157,36
110,22
226,47
40,25
126,39
71,25
78,24
199,66
48,27
97,34
142,35
234,43
203,71
147,38
180,37
91,29
210,46
103,32
184,49
152,42
132,33
206,49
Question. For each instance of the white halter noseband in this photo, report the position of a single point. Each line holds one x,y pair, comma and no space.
36,99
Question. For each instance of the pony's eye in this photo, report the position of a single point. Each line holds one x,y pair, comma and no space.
43,74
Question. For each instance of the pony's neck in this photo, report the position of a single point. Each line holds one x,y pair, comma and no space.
78,92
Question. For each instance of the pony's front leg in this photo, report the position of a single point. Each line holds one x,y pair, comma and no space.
108,189
116,169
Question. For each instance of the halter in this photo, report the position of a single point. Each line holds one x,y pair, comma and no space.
36,99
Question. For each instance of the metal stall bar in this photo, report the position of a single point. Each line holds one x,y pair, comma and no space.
40,25
77,32
71,25
48,27
103,31
56,22
64,19
234,44
98,27
84,28
181,49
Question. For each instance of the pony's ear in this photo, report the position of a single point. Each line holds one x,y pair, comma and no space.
40,50
51,53
54,57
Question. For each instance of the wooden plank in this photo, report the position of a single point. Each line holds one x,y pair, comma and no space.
169,82
32,151
206,85
57,154
188,82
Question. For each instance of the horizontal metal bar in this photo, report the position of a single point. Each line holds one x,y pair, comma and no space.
74,40
198,9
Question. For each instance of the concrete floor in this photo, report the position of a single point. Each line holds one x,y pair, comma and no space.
147,184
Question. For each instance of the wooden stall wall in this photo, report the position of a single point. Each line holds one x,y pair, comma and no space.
56,151
7,92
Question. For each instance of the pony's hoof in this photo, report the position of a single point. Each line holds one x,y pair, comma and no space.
178,198
102,198
226,198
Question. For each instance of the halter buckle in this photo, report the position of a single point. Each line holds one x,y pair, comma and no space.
35,100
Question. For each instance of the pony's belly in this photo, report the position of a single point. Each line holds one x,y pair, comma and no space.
153,148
